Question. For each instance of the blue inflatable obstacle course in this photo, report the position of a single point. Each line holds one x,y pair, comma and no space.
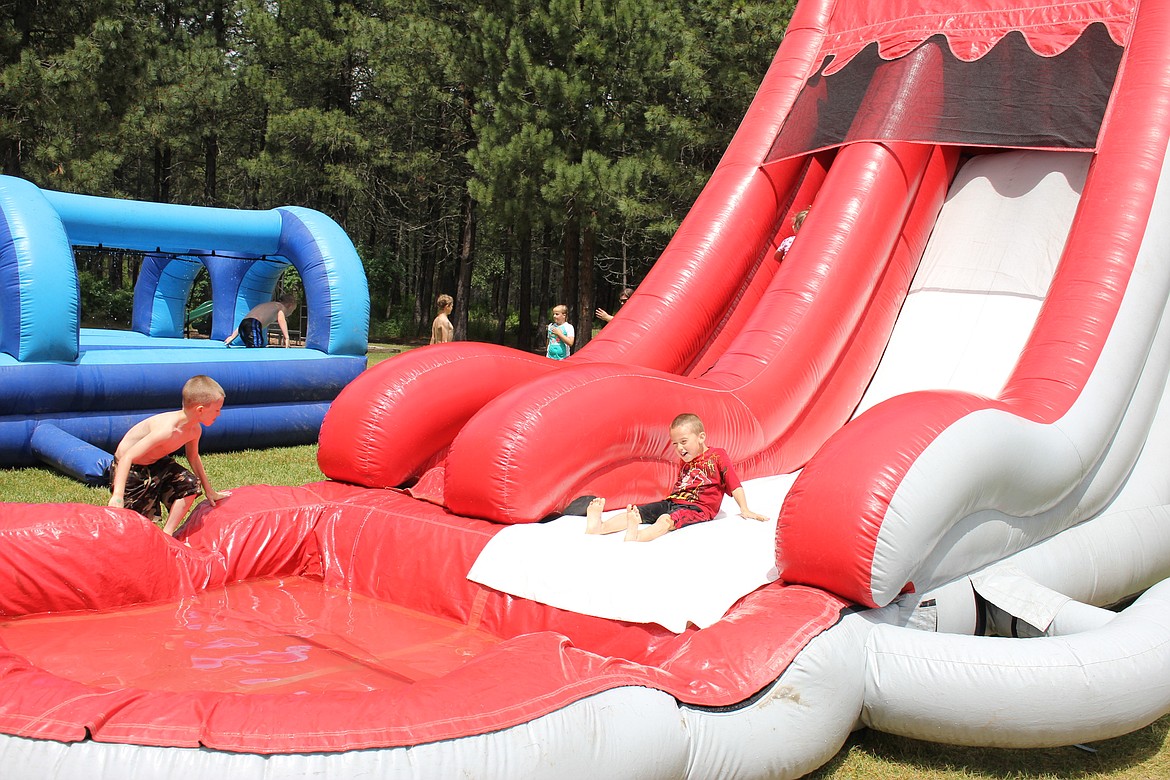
68,394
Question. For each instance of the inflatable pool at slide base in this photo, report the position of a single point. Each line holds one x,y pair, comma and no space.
295,608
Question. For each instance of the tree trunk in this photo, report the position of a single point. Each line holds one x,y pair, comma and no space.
585,292
115,275
210,173
390,293
426,285
162,174
211,143
466,260
505,283
524,336
545,302
572,258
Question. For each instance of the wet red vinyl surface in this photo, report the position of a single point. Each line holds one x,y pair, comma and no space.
283,635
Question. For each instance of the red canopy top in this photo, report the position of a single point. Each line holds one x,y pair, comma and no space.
972,27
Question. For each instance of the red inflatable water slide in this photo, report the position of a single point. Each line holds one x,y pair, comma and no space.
358,584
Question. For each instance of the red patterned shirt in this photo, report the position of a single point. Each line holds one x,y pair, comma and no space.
705,480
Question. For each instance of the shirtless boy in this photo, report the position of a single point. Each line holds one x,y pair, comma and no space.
442,330
144,474
253,329
704,476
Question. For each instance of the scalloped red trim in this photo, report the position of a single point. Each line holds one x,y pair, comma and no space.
898,26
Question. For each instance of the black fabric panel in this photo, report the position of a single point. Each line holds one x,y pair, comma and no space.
1010,97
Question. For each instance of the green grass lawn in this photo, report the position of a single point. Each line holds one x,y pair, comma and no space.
868,755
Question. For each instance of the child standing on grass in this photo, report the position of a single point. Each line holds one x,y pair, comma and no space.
442,330
144,474
560,334
704,476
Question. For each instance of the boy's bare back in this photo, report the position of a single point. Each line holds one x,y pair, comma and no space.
267,313
156,437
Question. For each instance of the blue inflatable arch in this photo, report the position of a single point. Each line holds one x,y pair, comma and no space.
40,307
243,251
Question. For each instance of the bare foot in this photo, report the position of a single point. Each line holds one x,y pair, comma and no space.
593,516
633,523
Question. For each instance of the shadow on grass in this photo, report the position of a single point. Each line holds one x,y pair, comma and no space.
872,754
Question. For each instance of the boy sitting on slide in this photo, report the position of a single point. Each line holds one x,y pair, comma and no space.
704,476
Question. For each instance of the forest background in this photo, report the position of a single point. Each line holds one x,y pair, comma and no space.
513,153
